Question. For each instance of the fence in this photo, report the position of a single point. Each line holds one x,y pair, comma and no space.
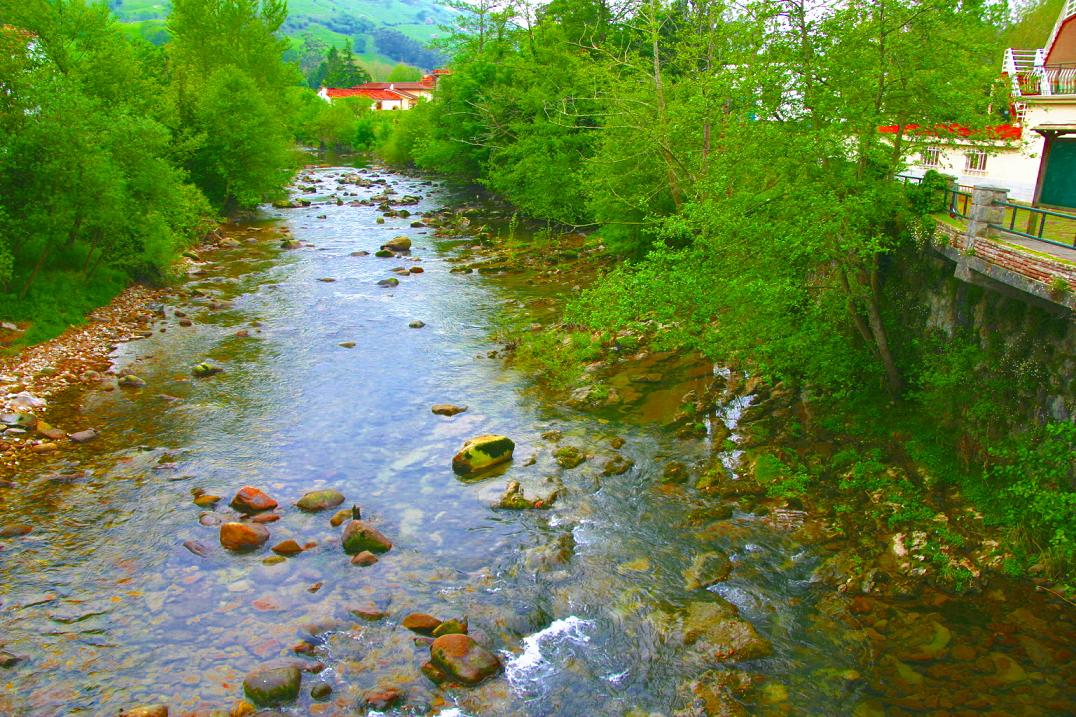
1043,225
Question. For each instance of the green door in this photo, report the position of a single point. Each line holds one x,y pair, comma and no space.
1059,183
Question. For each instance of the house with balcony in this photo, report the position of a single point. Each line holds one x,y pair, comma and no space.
1034,156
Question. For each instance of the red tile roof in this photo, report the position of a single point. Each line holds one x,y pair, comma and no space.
1001,131
372,93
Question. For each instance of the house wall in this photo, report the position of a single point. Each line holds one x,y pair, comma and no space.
1014,168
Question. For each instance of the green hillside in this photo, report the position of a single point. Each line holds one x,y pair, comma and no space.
383,33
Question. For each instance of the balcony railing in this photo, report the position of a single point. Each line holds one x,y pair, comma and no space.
1048,80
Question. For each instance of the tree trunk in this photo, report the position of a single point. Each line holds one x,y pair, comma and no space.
37,268
881,340
663,120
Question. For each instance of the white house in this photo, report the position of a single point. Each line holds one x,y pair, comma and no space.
1035,156
388,95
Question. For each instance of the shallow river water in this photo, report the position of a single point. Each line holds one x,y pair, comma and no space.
110,610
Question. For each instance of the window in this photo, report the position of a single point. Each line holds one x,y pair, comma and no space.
931,157
975,162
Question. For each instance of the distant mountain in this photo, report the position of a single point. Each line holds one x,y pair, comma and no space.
381,32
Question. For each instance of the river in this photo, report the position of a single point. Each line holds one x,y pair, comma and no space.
585,603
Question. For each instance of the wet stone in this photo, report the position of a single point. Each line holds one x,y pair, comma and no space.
318,500
83,436
569,456
447,409
359,536
243,536
252,500
416,324
206,369
706,569
339,517
364,559
618,465
273,686
421,623
451,627
482,452
321,691
199,549
287,548
382,699
463,659
152,711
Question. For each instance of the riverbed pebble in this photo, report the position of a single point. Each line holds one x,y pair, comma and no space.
243,536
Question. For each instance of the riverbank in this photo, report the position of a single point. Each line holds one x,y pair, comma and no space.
865,477
79,360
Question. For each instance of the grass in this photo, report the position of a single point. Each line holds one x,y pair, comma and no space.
57,300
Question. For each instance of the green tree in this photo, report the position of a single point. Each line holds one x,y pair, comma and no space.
237,145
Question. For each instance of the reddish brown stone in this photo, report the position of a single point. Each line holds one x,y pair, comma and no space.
243,536
382,699
364,559
463,659
251,500
266,518
421,623
287,547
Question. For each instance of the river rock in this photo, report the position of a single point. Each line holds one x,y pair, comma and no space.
243,536
273,686
287,547
317,500
421,623
131,381
83,436
199,549
321,691
340,516
383,253
9,660
451,627
26,400
416,324
382,698
463,659
447,409
617,465
252,500
206,369
482,452
706,569
398,244
50,432
718,628
359,536
569,456
364,559
206,500
389,282
151,711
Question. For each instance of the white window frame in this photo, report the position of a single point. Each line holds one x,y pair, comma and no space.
975,162
930,157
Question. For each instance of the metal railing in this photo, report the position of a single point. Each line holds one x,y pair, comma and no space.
1043,225
958,201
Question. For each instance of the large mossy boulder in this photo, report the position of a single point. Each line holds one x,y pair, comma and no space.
398,244
463,659
318,500
717,628
273,686
481,453
359,536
